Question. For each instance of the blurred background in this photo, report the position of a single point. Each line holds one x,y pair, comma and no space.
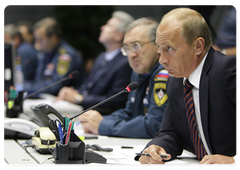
81,24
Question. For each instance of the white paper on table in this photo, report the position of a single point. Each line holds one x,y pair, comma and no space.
126,156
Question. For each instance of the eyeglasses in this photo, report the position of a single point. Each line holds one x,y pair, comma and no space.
135,47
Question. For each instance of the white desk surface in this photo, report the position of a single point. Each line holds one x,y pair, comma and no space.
15,154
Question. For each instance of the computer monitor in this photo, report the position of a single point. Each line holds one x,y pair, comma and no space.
9,66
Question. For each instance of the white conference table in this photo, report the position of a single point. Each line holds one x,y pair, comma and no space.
15,154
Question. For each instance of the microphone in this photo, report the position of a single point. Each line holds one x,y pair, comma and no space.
132,86
72,75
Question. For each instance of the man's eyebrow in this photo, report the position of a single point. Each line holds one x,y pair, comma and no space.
131,42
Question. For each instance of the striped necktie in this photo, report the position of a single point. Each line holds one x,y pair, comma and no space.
189,105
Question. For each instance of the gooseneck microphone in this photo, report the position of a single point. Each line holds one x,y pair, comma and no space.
72,75
132,86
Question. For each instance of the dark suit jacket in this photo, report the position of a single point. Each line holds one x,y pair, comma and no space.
106,79
217,95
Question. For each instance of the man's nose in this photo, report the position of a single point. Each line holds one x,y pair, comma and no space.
163,59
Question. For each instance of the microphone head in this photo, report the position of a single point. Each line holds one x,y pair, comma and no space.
132,86
73,74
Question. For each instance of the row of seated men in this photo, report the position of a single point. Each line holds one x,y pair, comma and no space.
186,97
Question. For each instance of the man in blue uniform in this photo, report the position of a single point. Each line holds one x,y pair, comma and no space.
142,116
27,55
56,60
110,73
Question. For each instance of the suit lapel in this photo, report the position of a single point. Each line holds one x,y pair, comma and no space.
203,96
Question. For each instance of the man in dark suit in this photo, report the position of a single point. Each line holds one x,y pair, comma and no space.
187,55
110,73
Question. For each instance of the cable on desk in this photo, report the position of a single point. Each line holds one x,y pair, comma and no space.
50,149
48,159
27,144
98,148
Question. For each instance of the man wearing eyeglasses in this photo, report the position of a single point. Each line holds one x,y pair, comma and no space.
143,113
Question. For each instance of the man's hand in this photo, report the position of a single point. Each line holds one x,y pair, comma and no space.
154,151
68,94
90,121
217,159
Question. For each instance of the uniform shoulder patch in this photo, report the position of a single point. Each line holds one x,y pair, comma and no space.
159,93
62,50
162,75
63,64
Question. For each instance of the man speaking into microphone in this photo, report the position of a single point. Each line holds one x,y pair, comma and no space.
142,116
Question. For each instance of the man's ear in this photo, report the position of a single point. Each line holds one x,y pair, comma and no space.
199,45
119,36
54,36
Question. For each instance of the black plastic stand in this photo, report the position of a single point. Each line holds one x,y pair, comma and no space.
71,153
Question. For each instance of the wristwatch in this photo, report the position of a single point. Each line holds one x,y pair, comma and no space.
224,51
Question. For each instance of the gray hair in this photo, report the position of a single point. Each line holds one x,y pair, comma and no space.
10,29
149,22
46,22
124,18
51,26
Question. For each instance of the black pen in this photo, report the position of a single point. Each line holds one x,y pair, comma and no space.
127,147
147,154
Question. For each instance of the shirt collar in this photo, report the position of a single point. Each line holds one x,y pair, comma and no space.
195,76
110,55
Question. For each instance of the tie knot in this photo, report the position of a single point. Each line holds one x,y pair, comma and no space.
188,86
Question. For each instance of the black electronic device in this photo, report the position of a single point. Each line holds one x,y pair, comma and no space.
9,64
93,157
42,112
72,152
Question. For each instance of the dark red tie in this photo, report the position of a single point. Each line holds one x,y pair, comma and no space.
189,105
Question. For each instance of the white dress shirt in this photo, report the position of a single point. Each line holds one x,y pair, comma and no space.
194,79
110,55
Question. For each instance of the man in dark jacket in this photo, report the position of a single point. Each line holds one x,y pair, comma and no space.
110,72
201,112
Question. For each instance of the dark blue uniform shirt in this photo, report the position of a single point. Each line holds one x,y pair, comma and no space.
27,55
55,66
142,116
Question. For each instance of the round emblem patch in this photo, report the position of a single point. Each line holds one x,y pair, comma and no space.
160,96
63,64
